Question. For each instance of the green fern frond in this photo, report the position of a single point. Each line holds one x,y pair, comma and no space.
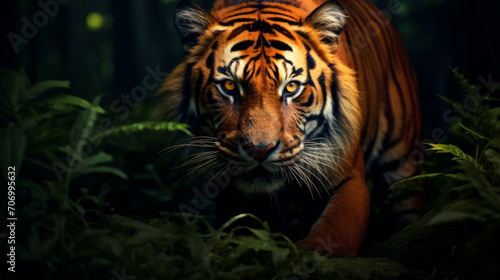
464,83
470,131
458,176
149,125
457,152
450,101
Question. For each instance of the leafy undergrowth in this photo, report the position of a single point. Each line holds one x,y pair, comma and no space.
70,227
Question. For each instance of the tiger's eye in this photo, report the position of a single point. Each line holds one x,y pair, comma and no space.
292,86
229,85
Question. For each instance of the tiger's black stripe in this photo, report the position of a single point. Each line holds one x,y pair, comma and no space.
243,45
280,45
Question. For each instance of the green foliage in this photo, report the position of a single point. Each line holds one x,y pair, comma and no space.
48,135
91,165
449,216
149,125
61,102
70,228
471,198
160,248
41,119
80,131
428,176
459,154
467,87
472,132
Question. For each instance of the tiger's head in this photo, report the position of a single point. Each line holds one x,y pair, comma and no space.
265,81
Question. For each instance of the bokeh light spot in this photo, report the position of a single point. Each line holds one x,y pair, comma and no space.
95,21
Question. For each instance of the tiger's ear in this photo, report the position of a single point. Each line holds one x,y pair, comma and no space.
191,21
329,19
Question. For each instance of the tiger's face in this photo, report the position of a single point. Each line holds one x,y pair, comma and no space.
258,104
265,84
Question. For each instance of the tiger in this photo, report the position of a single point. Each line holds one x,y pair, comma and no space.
315,93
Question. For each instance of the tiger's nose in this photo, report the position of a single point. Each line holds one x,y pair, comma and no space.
260,152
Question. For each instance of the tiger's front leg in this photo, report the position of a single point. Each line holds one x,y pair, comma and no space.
341,228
